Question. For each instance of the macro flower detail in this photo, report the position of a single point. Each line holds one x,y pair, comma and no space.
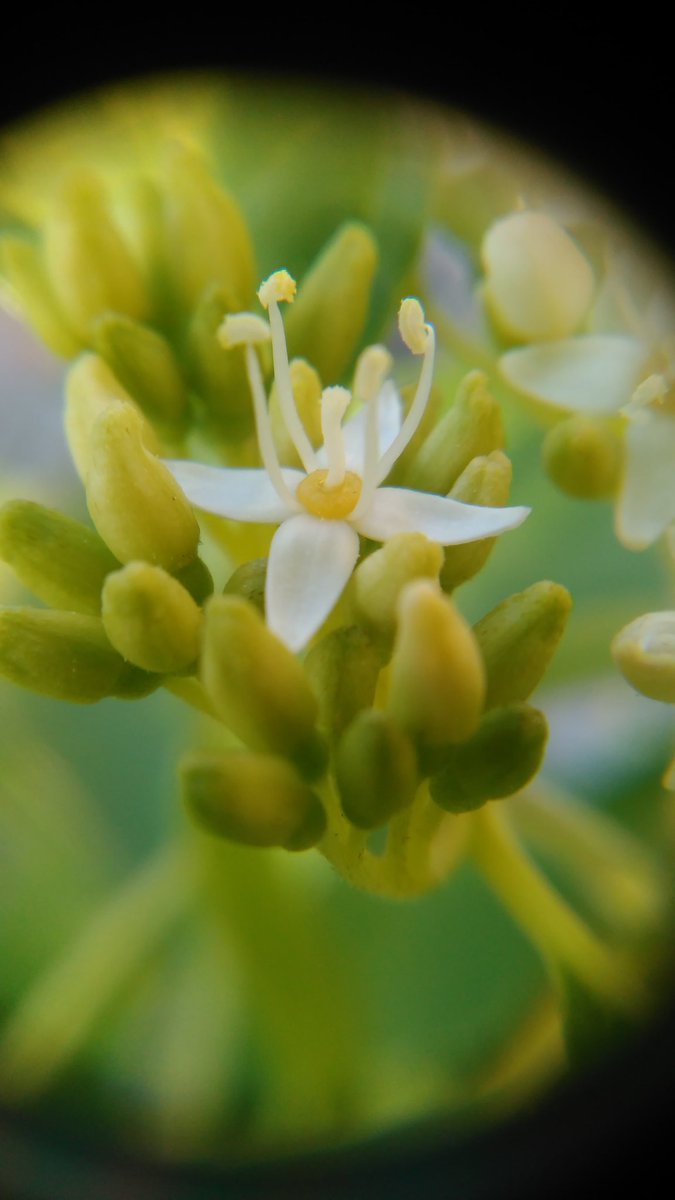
322,510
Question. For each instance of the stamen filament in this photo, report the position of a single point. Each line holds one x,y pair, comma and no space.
334,404
282,375
371,370
415,413
266,445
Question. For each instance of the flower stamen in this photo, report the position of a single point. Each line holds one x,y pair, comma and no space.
420,338
281,286
334,404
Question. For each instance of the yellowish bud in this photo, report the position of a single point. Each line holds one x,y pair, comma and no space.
503,755
539,282
89,264
134,500
219,375
91,387
437,681
254,799
23,266
145,365
472,426
381,577
486,480
584,457
644,651
306,386
60,560
151,619
60,654
329,315
343,669
518,639
375,770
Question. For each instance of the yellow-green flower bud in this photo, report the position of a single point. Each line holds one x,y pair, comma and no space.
503,755
306,386
437,679
584,457
518,639
327,320
486,480
206,238
134,500
254,799
91,387
375,770
145,365
472,426
248,581
23,266
381,577
219,375
644,651
539,283
60,560
89,264
258,686
343,669
196,579
150,619
61,654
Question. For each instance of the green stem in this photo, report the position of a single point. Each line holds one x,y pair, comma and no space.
558,932
190,691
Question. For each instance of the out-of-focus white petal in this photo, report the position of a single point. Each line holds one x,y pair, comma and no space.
309,564
592,374
241,493
389,421
449,522
646,506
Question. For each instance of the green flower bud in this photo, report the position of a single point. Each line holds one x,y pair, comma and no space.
503,755
150,619
375,770
343,669
518,639
248,581
437,680
89,264
327,320
23,266
60,560
380,578
91,387
206,238
539,282
145,365
60,654
486,480
219,375
258,686
134,501
306,386
254,799
472,426
644,652
196,579
584,457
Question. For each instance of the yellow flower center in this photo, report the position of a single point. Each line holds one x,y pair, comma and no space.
331,503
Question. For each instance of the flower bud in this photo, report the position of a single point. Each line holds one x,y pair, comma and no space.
472,426
196,579
218,375
584,457
644,652
150,619
486,480
145,365
254,799
306,385
327,320
248,581
258,686
381,577
539,284
89,264
518,639
503,755
343,669
23,266
91,387
375,770
60,560
60,654
134,500
437,680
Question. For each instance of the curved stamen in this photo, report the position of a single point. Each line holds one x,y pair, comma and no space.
266,445
334,404
420,338
372,369
280,286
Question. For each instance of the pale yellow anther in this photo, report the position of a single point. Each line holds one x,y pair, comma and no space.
412,326
243,329
655,393
279,286
372,368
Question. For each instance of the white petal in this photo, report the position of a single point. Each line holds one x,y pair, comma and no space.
399,510
309,564
596,373
241,493
646,505
389,420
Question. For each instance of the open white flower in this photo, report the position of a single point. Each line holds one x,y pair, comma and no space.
322,510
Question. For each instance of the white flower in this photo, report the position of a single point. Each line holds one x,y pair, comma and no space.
322,510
